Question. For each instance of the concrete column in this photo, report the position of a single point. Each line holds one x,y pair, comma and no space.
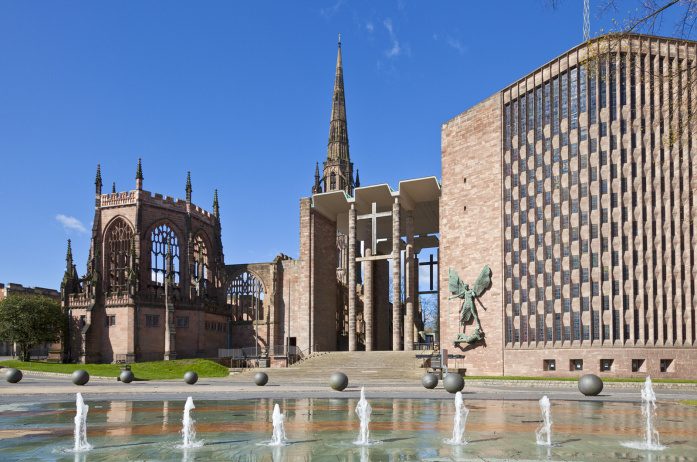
396,279
352,278
368,300
368,306
409,285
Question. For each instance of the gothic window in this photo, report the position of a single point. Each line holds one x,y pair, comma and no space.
117,246
332,182
159,238
201,274
245,295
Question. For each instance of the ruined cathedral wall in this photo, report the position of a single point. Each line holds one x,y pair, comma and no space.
473,237
290,294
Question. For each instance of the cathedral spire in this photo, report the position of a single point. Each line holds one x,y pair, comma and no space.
338,149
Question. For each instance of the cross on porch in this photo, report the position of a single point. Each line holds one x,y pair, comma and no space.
373,217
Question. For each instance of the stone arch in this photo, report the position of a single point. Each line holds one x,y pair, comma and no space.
245,294
157,238
116,240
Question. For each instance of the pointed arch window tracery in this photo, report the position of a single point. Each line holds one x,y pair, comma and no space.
117,244
332,181
245,296
159,238
201,272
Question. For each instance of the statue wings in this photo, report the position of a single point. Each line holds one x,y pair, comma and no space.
455,284
483,281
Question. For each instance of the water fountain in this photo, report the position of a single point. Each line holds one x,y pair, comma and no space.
239,430
363,410
81,443
279,433
188,432
546,427
648,410
461,413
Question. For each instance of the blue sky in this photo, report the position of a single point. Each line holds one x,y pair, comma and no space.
239,93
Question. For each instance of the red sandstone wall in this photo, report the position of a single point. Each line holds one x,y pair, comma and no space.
471,150
324,273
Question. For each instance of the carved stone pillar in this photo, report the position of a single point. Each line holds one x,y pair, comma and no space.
352,279
396,279
409,285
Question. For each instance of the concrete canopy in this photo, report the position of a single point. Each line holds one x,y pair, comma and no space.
420,196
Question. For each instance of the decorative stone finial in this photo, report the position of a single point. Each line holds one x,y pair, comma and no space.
216,207
188,186
113,187
98,180
358,180
139,177
69,256
139,172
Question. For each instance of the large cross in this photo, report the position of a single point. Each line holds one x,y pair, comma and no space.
430,264
374,224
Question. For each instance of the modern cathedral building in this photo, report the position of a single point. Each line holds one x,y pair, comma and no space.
575,184
570,192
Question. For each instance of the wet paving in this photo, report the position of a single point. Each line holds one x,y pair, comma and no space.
324,429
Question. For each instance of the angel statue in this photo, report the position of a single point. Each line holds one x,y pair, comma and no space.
468,309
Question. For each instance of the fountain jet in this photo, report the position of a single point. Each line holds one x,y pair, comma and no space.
648,410
546,427
188,432
81,443
279,433
363,410
461,413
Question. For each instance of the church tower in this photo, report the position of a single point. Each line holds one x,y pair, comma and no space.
338,168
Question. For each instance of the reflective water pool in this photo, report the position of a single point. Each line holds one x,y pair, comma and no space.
324,429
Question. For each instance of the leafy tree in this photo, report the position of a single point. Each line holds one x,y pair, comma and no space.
30,321
675,81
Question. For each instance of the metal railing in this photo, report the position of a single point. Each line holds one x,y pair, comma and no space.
38,353
254,352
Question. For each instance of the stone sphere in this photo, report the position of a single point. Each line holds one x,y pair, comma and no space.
453,382
590,385
127,376
13,375
191,377
260,378
338,381
80,377
429,381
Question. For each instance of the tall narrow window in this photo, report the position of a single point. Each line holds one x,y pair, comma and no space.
117,246
201,276
245,295
159,238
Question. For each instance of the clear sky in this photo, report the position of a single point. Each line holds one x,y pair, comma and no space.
239,93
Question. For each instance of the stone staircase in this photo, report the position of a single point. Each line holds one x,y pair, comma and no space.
373,365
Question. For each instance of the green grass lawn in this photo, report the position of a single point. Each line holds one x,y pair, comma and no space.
145,371
691,402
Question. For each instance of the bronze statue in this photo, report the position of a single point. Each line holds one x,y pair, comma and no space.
469,309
